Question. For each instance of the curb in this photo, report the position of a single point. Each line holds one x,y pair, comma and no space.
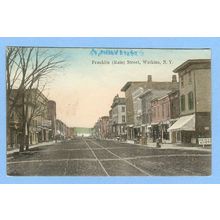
30,147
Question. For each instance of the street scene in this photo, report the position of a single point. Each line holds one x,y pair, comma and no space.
108,112
90,157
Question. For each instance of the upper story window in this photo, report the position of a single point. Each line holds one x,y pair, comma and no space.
114,111
190,100
154,112
149,117
163,107
123,118
190,77
182,102
172,107
182,81
123,109
158,111
168,110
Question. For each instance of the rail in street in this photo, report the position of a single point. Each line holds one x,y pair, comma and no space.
91,157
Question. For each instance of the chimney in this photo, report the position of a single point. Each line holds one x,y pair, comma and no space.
149,78
174,78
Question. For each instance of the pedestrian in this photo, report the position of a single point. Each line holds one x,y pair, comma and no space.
158,143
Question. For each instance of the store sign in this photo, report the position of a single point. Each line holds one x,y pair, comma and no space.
205,141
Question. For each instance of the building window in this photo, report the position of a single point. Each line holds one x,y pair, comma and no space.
123,109
123,118
182,102
154,112
190,101
190,78
182,81
168,110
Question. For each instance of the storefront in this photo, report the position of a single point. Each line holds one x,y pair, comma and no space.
155,131
144,134
130,133
184,129
165,134
137,134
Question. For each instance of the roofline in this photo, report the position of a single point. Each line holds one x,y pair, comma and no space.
116,104
154,99
190,62
126,86
162,97
34,89
173,91
145,92
105,116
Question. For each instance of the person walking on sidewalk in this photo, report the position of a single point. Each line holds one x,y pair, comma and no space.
158,142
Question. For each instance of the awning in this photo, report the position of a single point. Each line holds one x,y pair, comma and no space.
152,124
185,123
164,122
137,126
130,126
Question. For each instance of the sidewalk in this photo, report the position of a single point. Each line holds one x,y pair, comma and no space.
14,150
170,146
179,147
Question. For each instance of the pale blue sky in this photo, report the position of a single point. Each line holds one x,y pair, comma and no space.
84,91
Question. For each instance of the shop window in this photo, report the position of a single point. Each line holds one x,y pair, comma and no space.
178,136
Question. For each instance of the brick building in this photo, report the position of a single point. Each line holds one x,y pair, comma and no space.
104,127
110,125
35,117
195,101
130,87
51,105
62,131
96,131
174,112
146,98
118,118
101,128
165,112
137,109
160,108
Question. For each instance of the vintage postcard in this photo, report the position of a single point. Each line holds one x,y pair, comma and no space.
108,111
